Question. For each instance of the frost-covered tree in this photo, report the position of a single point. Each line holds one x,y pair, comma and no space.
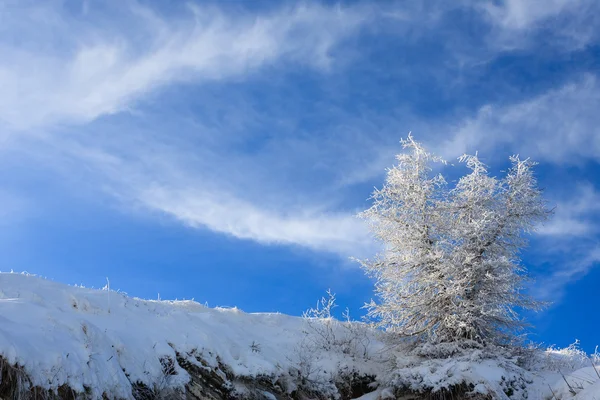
451,270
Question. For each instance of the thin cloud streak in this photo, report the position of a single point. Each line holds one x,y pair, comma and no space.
558,126
580,262
83,73
571,237
515,23
340,233
156,179
575,216
104,74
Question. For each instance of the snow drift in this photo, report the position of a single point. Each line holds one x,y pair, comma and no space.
99,343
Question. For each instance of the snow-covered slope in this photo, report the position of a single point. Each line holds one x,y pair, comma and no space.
102,342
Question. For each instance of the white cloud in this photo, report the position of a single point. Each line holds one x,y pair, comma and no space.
520,14
77,70
578,260
557,126
573,23
575,216
333,232
67,72
85,71
72,68
569,241
203,190
561,126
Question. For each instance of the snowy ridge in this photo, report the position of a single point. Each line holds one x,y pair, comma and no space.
100,342
63,334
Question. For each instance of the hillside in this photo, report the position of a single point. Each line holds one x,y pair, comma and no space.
73,342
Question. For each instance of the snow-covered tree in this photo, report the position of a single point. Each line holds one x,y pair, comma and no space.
451,270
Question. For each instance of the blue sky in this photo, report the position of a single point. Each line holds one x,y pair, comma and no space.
220,150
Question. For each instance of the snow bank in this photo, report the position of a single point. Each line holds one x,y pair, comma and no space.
100,342
582,384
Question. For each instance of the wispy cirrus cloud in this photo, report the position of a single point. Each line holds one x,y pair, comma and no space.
577,259
569,241
571,24
575,216
522,15
340,233
185,185
75,69
559,125
78,66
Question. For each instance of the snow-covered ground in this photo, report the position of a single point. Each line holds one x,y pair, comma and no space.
100,341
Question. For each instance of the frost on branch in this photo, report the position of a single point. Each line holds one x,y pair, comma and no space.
326,333
451,269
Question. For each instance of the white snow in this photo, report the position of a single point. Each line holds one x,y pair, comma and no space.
584,381
64,334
